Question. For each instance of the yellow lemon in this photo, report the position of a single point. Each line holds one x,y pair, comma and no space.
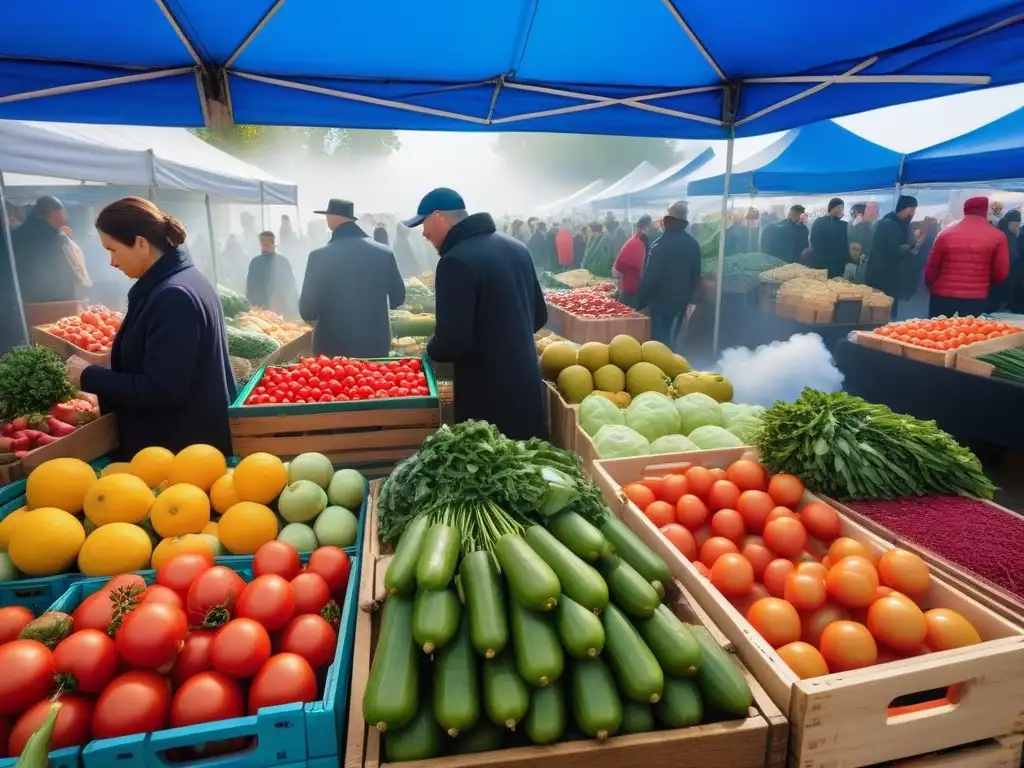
152,464
222,494
115,548
118,499
246,527
210,529
60,483
8,524
199,465
189,543
180,509
46,542
116,468
260,477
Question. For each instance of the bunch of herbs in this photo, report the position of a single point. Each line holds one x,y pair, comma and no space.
32,380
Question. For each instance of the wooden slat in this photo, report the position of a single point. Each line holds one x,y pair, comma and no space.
335,442
252,426
88,442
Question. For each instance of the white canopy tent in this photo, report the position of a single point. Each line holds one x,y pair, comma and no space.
631,181
569,202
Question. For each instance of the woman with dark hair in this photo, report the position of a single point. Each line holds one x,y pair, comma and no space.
170,380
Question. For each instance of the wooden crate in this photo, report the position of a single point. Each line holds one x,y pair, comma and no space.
603,329
844,719
1002,752
88,442
562,419
66,349
967,357
586,450
45,312
300,346
942,358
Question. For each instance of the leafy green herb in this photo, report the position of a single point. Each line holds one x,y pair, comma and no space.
32,380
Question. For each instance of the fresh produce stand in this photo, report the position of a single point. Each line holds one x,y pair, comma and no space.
88,442
583,315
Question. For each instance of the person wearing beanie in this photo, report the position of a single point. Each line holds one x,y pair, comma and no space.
893,266
967,259
1007,295
830,244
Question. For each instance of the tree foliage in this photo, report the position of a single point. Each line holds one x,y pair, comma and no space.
339,143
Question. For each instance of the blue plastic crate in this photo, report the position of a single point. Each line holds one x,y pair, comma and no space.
12,491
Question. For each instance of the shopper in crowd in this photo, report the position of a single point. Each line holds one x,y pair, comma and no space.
861,230
541,248
830,245
787,239
232,266
579,246
995,213
489,305
43,256
288,238
1007,295
967,259
598,258
671,278
349,286
564,245
169,380
270,282
629,263
744,236
518,231
617,236
894,265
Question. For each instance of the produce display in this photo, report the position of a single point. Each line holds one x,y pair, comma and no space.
590,302
248,344
1008,364
947,332
405,323
339,379
544,339
847,448
93,329
740,271
232,303
269,324
825,602
573,278
419,299
254,333
139,514
792,271
409,346
814,293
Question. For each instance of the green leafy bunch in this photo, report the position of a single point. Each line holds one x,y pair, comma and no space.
32,380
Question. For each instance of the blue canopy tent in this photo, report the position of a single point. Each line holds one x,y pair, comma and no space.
627,200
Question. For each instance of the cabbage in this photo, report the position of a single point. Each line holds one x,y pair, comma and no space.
673,444
708,437
653,415
617,442
698,410
742,420
596,411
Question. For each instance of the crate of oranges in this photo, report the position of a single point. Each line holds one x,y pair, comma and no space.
873,656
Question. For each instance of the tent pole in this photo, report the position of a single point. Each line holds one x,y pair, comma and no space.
721,243
19,309
213,242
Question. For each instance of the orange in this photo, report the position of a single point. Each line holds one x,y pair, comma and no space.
199,465
904,571
152,465
246,527
59,483
259,477
804,659
775,620
222,494
118,498
948,629
179,510
897,623
847,645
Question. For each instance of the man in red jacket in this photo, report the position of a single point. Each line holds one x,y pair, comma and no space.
966,259
629,263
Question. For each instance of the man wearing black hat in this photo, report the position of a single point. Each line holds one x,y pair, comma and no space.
42,255
830,246
349,286
894,267
488,306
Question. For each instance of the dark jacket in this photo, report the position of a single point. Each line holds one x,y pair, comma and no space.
894,266
45,272
739,238
348,287
270,283
671,277
786,240
579,249
169,381
542,250
863,232
1004,293
830,246
489,305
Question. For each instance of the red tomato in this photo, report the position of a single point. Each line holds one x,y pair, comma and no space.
180,571
758,554
699,480
311,593
714,548
728,523
5,734
13,619
813,623
206,697
334,565
661,513
672,488
775,575
151,635
310,636
268,599
681,539
691,512
747,475
786,535
161,594
194,656
135,702
240,648
640,494
285,678
787,490
27,675
95,611
74,722
277,557
723,495
85,661
733,575
212,596
820,520
755,506
804,591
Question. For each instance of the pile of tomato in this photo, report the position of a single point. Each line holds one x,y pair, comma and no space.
339,379
825,602
198,645
588,302
947,332
93,330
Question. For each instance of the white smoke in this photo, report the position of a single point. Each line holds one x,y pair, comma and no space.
780,370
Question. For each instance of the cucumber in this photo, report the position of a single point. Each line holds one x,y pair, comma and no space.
457,684
579,580
579,629
392,691
671,642
435,618
538,651
637,717
419,740
635,667
681,705
485,603
439,555
530,579
629,590
400,578
484,737
584,539
631,549
720,679
596,706
506,697
545,720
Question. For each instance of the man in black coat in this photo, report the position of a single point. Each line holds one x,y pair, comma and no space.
270,282
894,266
489,305
41,255
787,239
830,245
349,286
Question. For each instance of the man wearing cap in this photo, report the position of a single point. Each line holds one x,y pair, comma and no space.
830,245
349,286
42,255
489,305
894,267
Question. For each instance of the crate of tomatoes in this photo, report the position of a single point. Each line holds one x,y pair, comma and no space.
365,414
89,334
194,661
594,314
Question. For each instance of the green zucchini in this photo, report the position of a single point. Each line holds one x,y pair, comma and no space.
545,720
637,717
583,538
435,618
596,705
485,603
635,667
579,580
530,579
419,740
538,651
392,691
439,555
671,642
629,590
506,697
720,679
579,629
681,705
457,684
484,737
631,549
400,578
